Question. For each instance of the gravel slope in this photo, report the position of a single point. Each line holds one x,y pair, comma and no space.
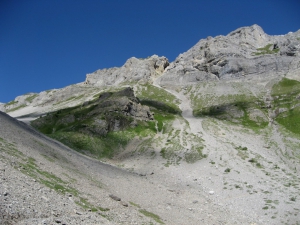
201,192
26,201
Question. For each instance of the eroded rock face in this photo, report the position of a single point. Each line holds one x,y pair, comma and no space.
112,111
247,51
134,70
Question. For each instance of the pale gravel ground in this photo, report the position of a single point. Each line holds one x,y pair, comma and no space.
199,193
168,198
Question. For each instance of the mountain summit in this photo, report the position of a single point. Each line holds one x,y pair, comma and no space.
245,52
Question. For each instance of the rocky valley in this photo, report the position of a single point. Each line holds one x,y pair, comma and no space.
211,138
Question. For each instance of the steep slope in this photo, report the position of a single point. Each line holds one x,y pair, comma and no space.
90,127
32,105
72,189
223,145
240,163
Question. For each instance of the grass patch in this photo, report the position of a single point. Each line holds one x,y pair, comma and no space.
242,152
46,178
161,106
73,98
90,129
50,159
242,148
84,203
237,113
31,97
268,49
158,98
290,120
28,166
16,108
195,155
238,109
151,215
227,170
134,204
286,96
11,103
286,86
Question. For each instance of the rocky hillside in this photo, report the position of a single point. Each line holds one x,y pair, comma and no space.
134,70
213,135
94,120
246,52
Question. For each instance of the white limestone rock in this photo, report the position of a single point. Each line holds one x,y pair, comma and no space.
247,51
134,70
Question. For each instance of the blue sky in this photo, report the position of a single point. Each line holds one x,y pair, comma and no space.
52,44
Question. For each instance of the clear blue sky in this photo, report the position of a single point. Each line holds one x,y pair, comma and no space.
46,44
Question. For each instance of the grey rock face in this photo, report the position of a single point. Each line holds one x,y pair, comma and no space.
246,51
243,52
110,112
133,70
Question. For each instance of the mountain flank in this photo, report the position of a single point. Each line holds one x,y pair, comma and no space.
211,138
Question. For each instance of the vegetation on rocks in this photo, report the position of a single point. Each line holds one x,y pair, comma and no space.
286,95
158,98
104,126
214,124
268,49
234,102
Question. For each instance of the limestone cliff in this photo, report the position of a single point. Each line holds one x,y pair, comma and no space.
134,70
247,51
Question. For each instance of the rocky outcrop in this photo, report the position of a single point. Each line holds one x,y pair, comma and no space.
110,112
134,70
247,51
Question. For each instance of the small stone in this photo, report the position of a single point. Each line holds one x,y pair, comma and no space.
78,213
124,204
5,193
114,197
211,192
57,221
46,199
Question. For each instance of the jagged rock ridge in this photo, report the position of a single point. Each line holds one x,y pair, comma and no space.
133,70
246,51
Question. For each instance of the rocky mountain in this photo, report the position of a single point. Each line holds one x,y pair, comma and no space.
245,52
134,70
210,138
